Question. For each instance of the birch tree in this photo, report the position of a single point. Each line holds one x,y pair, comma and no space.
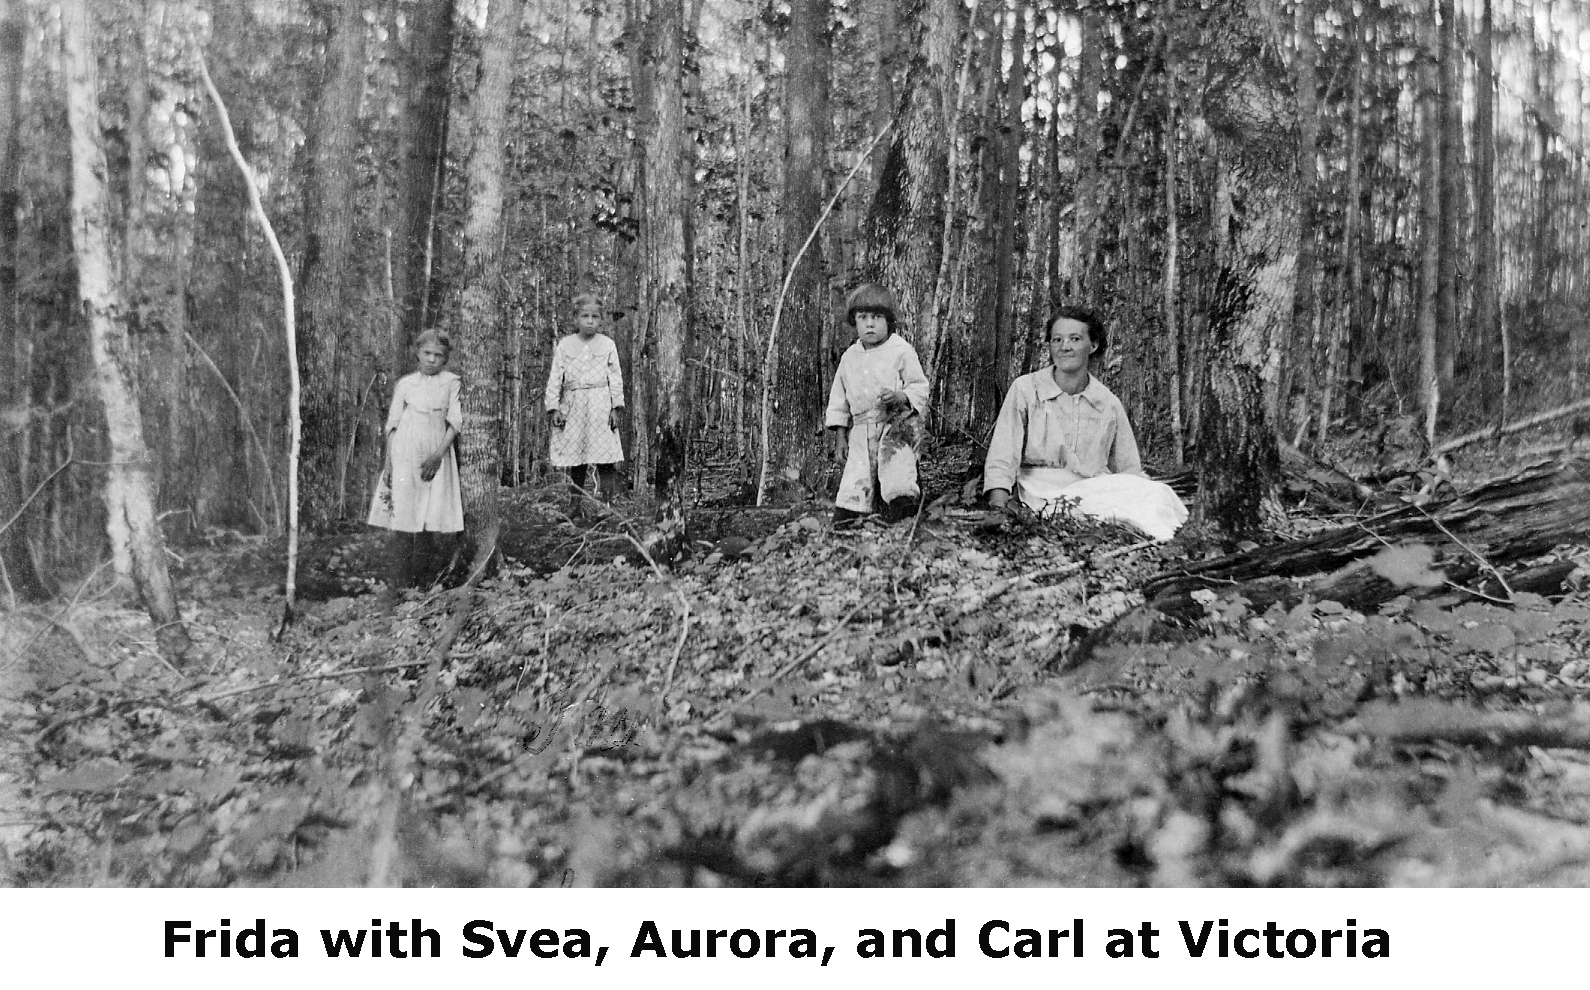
137,548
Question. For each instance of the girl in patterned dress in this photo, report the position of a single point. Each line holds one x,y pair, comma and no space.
585,399
419,495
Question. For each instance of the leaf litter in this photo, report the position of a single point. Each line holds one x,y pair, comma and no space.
954,701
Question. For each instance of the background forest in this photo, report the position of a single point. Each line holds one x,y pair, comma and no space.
1303,220
1318,229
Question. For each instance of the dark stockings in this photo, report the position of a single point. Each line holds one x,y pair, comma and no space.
419,559
606,479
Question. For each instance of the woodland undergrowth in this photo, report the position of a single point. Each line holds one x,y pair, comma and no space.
932,702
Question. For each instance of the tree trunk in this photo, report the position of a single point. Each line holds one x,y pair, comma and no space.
477,341
908,219
1429,221
1357,210
1237,456
326,343
1487,295
1007,212
138,550
742,268
666,274
15,556
1170,287
1044,220
883,107
1446,310
157,238
1087,156
1542,107
798,389
422,142
1305,317
629,251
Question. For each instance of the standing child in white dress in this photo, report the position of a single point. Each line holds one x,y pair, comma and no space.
874,409
585,399
419,495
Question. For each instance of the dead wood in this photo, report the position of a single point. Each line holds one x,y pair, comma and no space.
1439,721
1506,521
1324,484
1550,415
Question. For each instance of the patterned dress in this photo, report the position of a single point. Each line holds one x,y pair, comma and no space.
585,383
423,406
881,459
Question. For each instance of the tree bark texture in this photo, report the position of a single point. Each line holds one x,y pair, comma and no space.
158,239
138,550
1012,133
477,342
886,24
1542,108
1446,309
1356,212
328,348
422,142
15,555
1086,151
1487,296
906,222
1305,318
666,272
799,391
1170,288
1429,97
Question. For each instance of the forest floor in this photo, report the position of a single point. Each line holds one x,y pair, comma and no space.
917,704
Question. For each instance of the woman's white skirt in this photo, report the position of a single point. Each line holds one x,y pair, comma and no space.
1146,505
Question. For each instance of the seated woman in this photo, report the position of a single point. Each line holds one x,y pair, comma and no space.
1062,438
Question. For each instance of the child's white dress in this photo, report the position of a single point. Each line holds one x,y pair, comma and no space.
423,406
585,383
881,458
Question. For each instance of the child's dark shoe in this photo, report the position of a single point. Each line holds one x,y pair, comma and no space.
899,510
847,518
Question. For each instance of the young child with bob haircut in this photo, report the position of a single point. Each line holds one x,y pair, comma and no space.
875,407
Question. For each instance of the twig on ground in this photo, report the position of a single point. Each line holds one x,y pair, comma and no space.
72,633
1485,564
1429,721
384,846
628,531
811,652
300,678
23,651
1064,570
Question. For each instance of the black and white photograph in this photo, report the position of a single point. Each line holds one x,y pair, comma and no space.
795,444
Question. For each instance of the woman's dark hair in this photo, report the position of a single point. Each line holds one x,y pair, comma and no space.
870,297
1096,331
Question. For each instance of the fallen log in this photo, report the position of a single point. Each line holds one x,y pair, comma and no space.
1503,522
1439,721
1492,433
1304,476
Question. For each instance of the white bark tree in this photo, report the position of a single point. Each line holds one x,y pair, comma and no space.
138,550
